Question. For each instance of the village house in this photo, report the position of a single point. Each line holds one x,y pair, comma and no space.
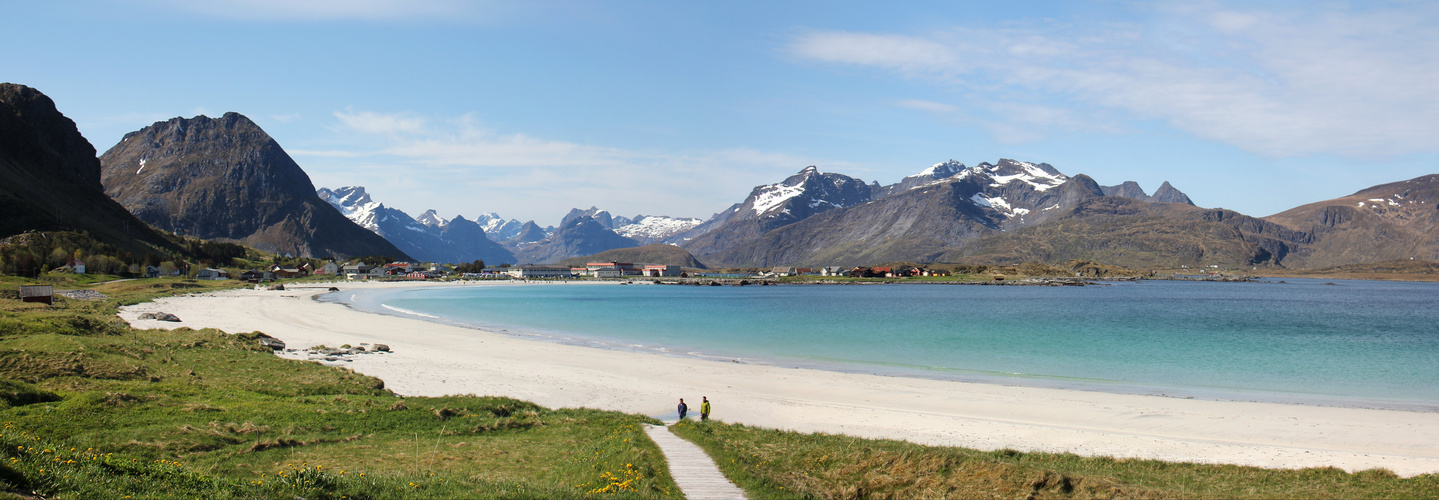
211,273
832,271
77,266
533,271
612,269
329,268
399,268
659,270
290,272
254,276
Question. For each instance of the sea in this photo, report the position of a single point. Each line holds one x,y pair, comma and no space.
1372,344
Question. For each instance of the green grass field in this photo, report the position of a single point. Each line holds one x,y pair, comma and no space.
781,464
95,409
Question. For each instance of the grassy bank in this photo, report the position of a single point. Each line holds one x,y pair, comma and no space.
781,464
95,409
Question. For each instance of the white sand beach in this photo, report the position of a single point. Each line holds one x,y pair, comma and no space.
433,359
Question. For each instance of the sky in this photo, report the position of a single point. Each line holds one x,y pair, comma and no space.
529,109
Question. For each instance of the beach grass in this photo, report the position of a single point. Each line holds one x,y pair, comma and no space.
95,409
770,463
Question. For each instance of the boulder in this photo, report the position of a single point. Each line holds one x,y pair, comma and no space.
161,316
381,348
273,343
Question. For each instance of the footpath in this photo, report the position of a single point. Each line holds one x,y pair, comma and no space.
696,474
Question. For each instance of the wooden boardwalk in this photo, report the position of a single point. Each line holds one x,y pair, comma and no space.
693,470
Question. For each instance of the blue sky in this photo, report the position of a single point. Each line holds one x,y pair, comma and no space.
679,108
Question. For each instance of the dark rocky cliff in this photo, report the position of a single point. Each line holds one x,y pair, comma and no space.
52,179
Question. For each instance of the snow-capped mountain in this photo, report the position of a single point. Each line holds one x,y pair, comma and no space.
609,221
430,238
645,229
770,206
432,219
928,176
804,194
356,205
648,229
1016,193
498,228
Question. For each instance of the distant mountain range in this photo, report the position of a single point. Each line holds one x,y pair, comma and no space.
225,179
429,238
1005,212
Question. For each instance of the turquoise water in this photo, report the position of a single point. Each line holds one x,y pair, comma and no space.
1351,343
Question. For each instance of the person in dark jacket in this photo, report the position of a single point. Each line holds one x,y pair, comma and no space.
683,409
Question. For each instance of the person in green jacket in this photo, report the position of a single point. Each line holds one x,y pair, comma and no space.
704,408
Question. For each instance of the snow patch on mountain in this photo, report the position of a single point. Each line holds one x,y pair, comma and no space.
775,195
432,219
939,171
656,227
498,228
355,204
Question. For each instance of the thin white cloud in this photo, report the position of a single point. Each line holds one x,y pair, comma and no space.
1350,82
904,53
400,157
370,122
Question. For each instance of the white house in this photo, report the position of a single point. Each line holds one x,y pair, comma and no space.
654,270
539,272
211,273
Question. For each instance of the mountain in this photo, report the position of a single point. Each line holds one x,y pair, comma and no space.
580,236
1398,220
429,218
497,228
943,211
52,178
1125,231
601,216
528,232
772,206
430,238
931,175
1165,194
916,225
645,229
226,179
658,254
648,229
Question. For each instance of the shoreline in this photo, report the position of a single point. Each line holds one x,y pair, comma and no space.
434,359
880,369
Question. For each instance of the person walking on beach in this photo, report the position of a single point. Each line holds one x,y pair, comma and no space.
704,408
683,408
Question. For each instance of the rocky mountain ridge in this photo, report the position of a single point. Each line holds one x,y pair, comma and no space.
942,206
225,179
52,179
429,238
